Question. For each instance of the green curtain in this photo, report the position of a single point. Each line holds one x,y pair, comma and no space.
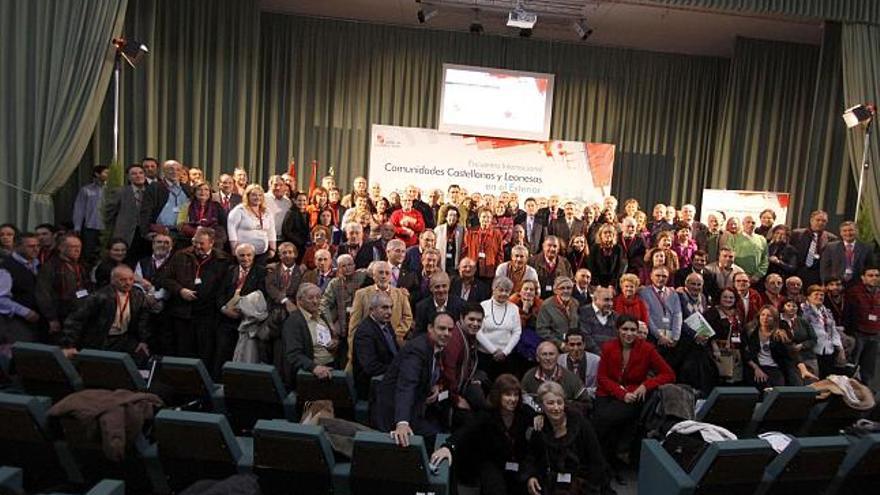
57,60
832,10
325,82
769,122
861,84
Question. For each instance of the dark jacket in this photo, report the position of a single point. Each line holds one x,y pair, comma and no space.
182,269
426,311
405,386
24,282
369,252
57,285
89,325
155,197
255,281
578,453
483,437
479,293
299,353
607,269
752,346
634,251
295,229
372,354
276,291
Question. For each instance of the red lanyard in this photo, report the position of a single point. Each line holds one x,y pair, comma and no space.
201,212
121,309
199,265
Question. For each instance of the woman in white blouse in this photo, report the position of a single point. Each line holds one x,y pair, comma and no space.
829,346
253,223
501,330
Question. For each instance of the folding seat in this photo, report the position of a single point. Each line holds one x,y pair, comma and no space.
194,446
11,481
729,407
27,442
733,467
43,370
252,392
860,469
108,370
289,454
379,465
185,383
807,465
784,409
339,389
829,417
104,487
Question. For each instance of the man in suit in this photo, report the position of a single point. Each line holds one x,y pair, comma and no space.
407,398
283,278
22,267
401,318
362,252
114,318
308,342
664,312
633,245
810,244
467,286
337,300
425,209
226,195
123,213
532,224
162,203
582,292
597,320
441,301
454,198
699,230
847,258
374,344
151,169
148,274
549,265
323,272
412,261
548,214
61,283
698,266
567,226
417,282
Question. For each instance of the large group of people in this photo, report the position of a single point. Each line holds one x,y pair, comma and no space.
476,310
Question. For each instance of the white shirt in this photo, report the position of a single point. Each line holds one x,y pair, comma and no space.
501,328
279,209
244,226
531,273
603,319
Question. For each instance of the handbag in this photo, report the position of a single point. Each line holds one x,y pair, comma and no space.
725,364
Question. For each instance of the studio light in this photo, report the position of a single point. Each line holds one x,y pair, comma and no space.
582,29
519,18
424,15
130,50
858,114
861,115
476,25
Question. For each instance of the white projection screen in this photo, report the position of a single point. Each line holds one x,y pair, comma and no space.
481,101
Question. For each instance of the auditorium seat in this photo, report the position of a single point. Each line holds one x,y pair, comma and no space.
733,467
379,465
185,383
193,446
27,442
860,469
108,370
829,417
339,389
104,487
43,370
729,407
784,409
807,465
11,481
252,392
289,454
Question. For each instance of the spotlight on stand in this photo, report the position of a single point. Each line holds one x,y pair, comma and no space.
582,29
856,116
130,50
476,25
425,15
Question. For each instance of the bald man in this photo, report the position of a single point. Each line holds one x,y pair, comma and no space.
113,318
163,201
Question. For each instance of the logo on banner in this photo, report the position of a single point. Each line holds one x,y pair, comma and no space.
387,142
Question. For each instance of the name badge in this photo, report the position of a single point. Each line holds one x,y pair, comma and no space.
175,209
872,317
817,256
665,319
481,255
548,287
81,293
511,466
735,339
443,396
848,272
563,477
348,309
198,280
449,256
323,334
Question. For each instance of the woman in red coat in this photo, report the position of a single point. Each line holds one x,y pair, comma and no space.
623,383
484,245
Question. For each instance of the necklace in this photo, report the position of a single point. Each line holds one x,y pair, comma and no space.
503,315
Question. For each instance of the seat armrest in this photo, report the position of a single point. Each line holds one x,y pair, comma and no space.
289,406
659,473
340,477
246,461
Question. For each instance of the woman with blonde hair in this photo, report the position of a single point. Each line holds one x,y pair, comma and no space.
253,223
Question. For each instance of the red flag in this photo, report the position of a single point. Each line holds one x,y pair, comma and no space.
291,171
313,180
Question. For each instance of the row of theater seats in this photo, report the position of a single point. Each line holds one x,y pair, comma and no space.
809,465
790,410
190,446
248,392
12,483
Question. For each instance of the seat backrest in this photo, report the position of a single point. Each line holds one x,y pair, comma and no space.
43,370
807,465
339,389
732,466
108,370
108,487
730,407
23,418
252,382
285,446
11,481
185,378
784,409
195,436
860,468
377,458
831,416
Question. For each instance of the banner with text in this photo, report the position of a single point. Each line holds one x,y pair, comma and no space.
430,159
741,203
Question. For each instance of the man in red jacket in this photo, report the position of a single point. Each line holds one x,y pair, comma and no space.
863,321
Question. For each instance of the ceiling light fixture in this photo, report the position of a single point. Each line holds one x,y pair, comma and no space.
519,18
424,15
582,29
476,25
